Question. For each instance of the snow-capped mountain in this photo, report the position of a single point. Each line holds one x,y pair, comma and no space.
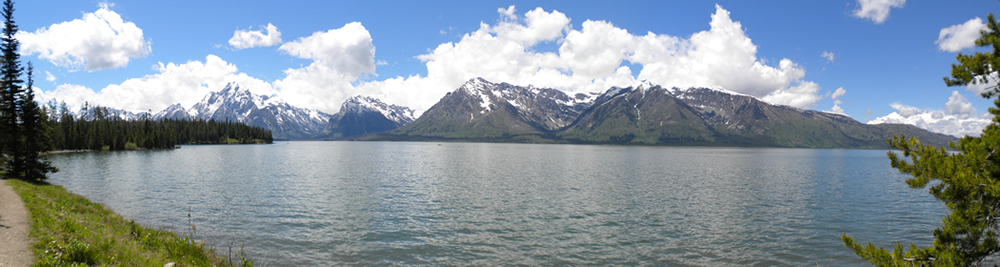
88,113
550,108
365,104
358,115
361,115
643,113
234,103
175,111
482,110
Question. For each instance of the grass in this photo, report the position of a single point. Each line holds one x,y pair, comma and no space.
69,230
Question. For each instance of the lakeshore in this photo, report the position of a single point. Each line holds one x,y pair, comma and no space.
68,229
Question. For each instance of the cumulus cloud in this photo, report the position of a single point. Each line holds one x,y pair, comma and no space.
827,55
836,102
959,106
49,76
837,109
957,118
961,36
339,57
802,95
593,58
877,10
508,13
100,40
174,83
243,39
838,93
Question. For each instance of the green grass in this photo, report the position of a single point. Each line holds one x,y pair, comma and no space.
69,230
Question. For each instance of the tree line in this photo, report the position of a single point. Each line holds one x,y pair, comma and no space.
107,132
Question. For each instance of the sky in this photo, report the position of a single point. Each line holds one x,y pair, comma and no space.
877,61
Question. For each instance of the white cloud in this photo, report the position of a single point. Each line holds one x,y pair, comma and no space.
340,57
99,40
802,95
183,83
243,39
49,76
958,118
877,10
836,102
508,13
837,109
961,36
590,59
959,106
73,95
593,58
838,93
827,55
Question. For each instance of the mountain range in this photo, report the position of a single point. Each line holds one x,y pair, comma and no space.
235,103
643,113
482,111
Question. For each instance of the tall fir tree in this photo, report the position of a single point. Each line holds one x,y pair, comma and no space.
966,180
10,73
35,135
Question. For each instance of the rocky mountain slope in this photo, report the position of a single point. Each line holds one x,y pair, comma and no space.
639,114
234,103
481,110
360,115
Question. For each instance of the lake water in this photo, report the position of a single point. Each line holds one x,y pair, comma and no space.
401,203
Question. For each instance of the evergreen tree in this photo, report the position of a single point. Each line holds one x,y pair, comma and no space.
967,181
10,79
36,137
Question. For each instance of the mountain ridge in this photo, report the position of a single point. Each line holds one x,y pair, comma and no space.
640,114
360,115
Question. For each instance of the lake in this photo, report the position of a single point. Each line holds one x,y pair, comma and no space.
412,203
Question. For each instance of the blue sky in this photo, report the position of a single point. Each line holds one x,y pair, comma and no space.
884,59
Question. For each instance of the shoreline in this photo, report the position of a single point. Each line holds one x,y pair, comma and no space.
68,229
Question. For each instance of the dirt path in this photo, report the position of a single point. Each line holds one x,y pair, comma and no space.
14,225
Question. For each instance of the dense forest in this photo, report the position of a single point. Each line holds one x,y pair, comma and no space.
106,132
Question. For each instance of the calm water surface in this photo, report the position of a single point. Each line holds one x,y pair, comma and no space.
389,203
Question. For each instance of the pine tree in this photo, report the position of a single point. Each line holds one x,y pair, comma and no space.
10,79
35,134
967,181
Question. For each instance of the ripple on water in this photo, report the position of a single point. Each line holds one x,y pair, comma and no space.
375,203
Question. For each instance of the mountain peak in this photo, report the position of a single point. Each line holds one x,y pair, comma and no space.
361,115
237,103
362,104
642,84
477,83
175,111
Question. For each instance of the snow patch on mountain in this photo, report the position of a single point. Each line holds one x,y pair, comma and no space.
235,103
362,104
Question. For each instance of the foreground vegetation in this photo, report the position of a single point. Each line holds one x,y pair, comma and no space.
69,230
967,181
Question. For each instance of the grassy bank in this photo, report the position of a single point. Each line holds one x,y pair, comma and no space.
68,229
